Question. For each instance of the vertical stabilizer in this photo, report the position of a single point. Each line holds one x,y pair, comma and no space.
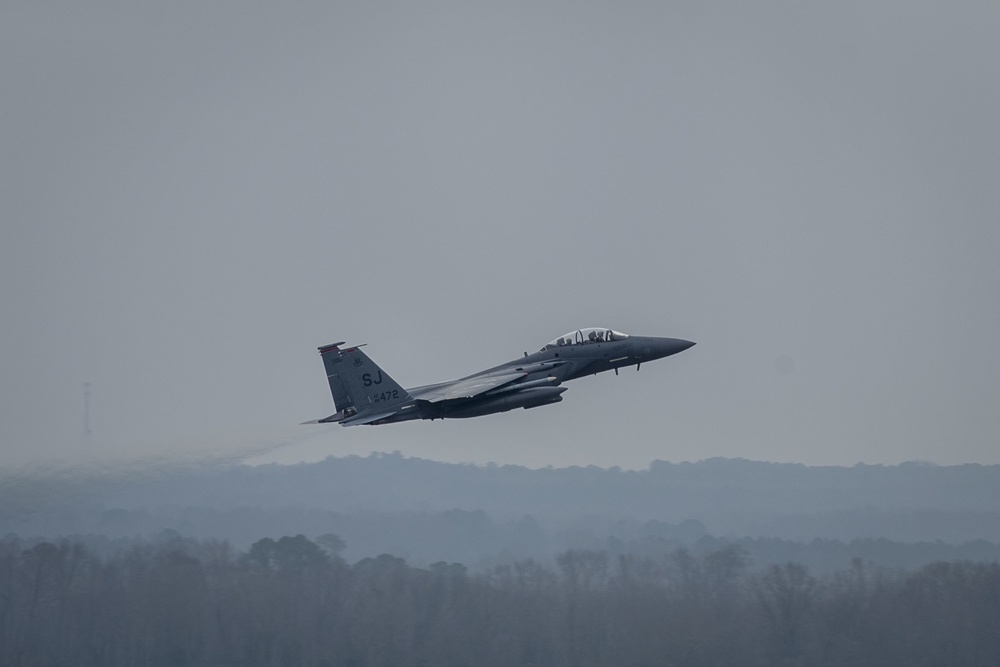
357,384
332,361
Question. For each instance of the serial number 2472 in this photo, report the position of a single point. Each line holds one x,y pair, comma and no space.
391,395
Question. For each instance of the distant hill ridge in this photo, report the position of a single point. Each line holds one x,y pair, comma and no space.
910,501
729,495
392,503
392,481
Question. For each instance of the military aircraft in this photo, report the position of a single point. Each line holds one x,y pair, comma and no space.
365,394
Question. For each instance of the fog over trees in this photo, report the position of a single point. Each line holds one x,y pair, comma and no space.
386,560
426,511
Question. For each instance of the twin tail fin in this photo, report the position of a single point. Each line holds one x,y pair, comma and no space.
362,392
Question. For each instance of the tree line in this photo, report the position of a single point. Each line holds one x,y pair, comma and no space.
479,540
296,601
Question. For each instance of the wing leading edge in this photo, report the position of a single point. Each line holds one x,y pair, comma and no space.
464,388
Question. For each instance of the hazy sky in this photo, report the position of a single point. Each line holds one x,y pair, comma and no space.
195,195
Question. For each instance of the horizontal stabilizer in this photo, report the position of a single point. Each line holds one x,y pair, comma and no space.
332,419
366,418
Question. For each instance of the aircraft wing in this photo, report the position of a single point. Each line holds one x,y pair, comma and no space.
466,387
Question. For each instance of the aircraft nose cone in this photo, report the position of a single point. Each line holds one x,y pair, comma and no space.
675,345
657,348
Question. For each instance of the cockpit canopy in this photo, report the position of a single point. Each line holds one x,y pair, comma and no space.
586,336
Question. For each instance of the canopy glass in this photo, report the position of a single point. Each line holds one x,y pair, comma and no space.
587,336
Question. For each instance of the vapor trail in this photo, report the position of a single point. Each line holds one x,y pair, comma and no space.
39,485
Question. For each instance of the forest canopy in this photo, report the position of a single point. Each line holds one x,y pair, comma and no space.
293,600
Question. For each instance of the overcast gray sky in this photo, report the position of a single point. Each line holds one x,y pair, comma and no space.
195,195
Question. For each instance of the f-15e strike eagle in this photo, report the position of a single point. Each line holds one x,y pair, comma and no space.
365,394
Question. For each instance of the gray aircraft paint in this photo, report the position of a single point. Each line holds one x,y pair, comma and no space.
363,393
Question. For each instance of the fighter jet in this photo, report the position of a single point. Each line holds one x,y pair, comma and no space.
363,393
